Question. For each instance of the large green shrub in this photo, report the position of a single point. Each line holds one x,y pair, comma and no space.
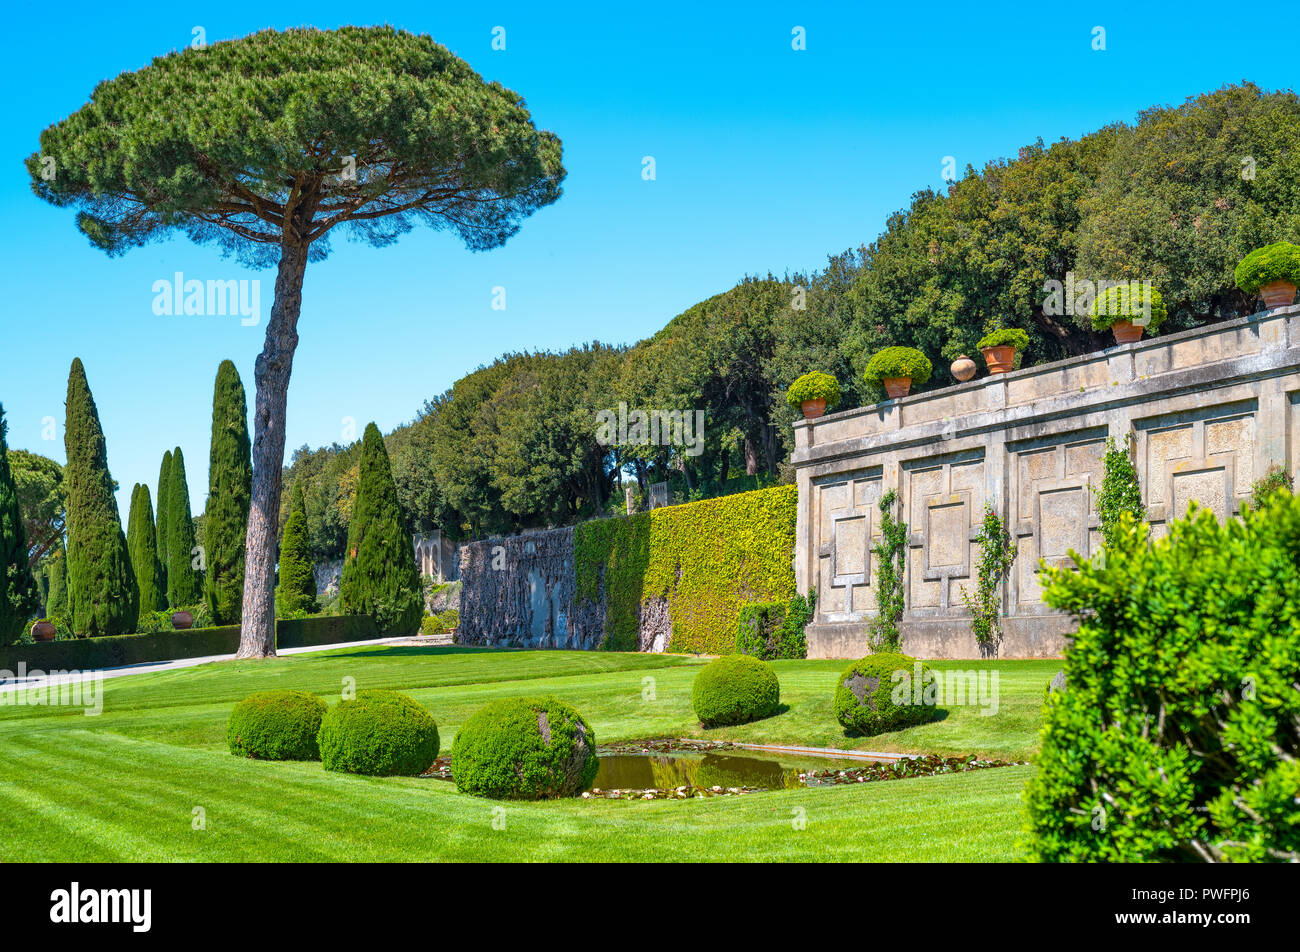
524,749
230,486
19,596
898,362
380,733
1133,302
1279,261
735,689
707,560
770,630
276,725
1178,736
814,386
103,597
441,622
882,692
379,573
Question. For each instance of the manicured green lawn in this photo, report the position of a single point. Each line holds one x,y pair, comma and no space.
125,785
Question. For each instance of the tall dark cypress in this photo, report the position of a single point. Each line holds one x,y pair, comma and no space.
379,573
56,600
19,596
296,590
142,542
102,595
230,490
184,585
164,500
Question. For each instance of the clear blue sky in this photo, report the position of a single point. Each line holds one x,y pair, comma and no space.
767,159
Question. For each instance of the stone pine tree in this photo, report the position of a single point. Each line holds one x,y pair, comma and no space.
164,497
103,598
56,599
142,542
230,475
296,590
271,144
379,573
184,584
19,596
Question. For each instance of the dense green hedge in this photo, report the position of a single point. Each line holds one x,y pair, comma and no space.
85,654
524,749
276,725
877,710
380,734
708,559
1177,737
735,689
772,630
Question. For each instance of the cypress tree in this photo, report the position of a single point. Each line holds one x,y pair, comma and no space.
296,590
102,595
164,499
184,585
143,544
230,490
379,573
56,602
19,596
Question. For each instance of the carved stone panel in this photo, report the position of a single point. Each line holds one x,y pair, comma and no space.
945,504
1052,509
847,526
1206,458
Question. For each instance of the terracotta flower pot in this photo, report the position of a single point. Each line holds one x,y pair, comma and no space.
1126,332
999,359
896,387
1277,294
182,620
43,631
963,368
812,409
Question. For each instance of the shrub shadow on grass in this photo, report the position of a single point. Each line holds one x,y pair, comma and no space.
940,714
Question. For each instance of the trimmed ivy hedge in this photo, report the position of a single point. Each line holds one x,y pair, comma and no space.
706,559
84,654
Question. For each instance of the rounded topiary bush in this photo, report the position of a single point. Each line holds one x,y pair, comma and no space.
735,689
381,733
1178,736
814,386
1279,261
276,725
524,749
871,697
1129,302
898,363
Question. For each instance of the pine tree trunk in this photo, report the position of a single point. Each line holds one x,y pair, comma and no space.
257,634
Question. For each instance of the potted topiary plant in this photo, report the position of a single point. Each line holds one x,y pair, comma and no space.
813,393
1272,272
896,369
1000,347
1128,310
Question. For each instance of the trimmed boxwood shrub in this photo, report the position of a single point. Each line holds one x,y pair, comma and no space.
441,622
1005,337
813,386
276,725
1178,738
1279,261
735,689
524,749
381,733
1127,302
868,694
770,630
898,362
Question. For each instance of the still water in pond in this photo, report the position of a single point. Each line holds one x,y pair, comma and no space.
619,771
